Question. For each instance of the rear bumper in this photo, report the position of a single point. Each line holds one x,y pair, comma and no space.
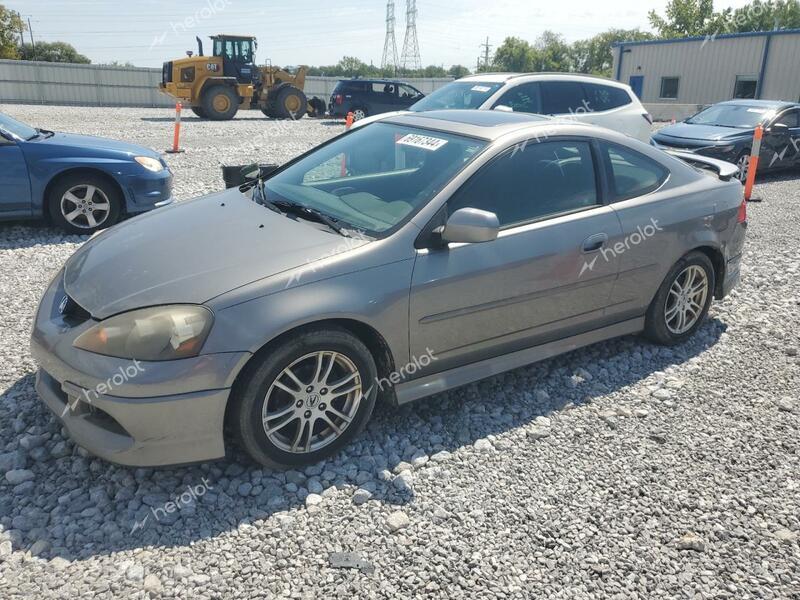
733,275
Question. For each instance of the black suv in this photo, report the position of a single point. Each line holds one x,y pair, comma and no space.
365,97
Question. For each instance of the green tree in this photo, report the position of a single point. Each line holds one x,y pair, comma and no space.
53,52
458,71
551,53
594,55
764,16
689,18
10,27
515,55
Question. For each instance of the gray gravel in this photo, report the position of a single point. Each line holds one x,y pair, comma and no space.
623,470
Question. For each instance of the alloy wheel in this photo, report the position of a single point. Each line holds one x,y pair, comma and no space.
312,401
85,206
359,114
743,163
686,299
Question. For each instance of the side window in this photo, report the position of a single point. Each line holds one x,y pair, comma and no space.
630,173
525,98
541,180
562,98
604,97
406,91
790,118
387,89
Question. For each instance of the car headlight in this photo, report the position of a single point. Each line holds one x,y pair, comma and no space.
151,164
157,333
724,148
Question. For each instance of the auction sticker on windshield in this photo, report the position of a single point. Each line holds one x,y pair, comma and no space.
481,88
425,142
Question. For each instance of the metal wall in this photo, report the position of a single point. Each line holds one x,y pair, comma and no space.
708,68
96,85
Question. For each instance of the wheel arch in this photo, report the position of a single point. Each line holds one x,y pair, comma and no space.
717,259
68,172
369,336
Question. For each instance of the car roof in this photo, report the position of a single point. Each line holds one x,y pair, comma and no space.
543,75
762,103
362,80
484,124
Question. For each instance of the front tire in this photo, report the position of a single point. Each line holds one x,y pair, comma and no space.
84,203
682,302
198,110
220,103
305,399
291,103
360,113
743,162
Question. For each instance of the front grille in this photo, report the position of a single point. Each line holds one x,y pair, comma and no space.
166,73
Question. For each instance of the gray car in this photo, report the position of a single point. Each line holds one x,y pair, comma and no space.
398,260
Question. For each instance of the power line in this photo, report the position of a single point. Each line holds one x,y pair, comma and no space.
486,47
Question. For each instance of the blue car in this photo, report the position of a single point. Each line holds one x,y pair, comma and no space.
80,183
725,131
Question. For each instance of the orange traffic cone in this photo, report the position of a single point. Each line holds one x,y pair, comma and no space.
349,120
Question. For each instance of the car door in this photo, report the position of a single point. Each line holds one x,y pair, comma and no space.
782,150
15,185
539,280
383,97
407,96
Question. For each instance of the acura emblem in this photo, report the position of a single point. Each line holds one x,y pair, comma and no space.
62,306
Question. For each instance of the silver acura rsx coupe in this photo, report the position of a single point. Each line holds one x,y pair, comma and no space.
407,257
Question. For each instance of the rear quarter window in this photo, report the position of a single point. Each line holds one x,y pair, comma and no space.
601,97
631,174
562,97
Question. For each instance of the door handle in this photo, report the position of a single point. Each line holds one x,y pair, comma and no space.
595,242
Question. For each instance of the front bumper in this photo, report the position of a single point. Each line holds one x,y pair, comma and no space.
146,191
130,412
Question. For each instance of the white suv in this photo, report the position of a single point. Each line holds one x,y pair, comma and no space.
585,98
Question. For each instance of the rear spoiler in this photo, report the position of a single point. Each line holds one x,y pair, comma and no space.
725,170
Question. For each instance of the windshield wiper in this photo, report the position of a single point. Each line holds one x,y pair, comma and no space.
303,210
260,196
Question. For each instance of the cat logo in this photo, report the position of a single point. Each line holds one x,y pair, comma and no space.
212,67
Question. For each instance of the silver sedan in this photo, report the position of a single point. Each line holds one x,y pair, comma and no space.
398,260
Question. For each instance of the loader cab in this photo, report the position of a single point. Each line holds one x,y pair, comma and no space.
238,56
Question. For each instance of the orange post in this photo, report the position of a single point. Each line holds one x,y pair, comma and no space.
348,123
176,136
752,164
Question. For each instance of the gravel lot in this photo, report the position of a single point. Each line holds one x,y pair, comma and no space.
623,470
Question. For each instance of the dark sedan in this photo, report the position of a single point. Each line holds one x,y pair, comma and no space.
725,131
81,183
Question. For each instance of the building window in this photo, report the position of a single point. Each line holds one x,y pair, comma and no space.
745,87
669,88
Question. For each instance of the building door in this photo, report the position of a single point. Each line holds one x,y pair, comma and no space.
637,84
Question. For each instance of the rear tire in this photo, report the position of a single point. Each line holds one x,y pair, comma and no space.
198,110
270,407
290,103
681,304
84,203
220,103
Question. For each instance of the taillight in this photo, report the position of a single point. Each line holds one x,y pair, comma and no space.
648,118
339,99
742,216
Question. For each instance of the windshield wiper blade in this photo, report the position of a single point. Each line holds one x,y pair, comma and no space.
260,197
302,209
45,132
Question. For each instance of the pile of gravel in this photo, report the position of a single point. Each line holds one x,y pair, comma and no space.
623,470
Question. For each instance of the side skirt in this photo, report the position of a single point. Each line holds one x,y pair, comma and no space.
439,382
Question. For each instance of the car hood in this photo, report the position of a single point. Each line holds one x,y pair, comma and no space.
711,133
192,252
88,142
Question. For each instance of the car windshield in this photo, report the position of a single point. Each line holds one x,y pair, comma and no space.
375,178
16,129
457,95
732,115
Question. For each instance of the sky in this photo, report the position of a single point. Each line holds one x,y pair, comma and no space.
149,32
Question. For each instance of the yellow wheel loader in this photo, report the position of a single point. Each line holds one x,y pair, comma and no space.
217,86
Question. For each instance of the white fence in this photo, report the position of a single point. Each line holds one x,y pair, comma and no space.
30,82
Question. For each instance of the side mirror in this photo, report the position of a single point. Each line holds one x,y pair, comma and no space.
503,108
779,129
471,225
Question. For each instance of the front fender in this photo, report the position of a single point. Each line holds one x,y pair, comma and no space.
376,296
